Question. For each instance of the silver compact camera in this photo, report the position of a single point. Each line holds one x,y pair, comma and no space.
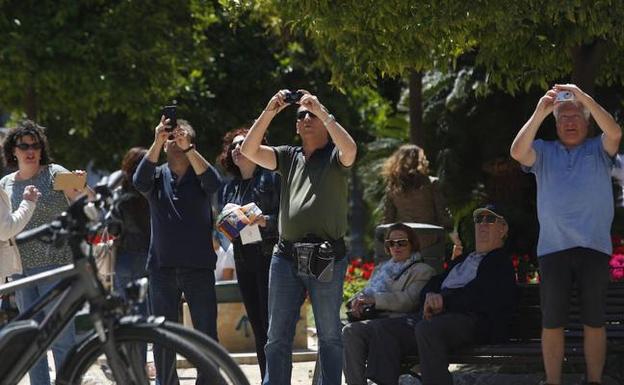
564,96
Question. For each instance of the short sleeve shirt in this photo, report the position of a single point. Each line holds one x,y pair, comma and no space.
35,253
314,193
574,196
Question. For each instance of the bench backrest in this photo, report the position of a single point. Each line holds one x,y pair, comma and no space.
526,323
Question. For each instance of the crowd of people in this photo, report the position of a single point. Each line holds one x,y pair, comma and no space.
168,234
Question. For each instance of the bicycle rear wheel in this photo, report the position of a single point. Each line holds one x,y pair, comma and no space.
146,354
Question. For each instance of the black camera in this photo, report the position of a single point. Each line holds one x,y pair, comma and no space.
293,97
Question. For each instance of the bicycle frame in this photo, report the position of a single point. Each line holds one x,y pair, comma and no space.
78,285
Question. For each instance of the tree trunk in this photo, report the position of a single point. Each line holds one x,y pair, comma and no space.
587,59
30,103
358,218
415,108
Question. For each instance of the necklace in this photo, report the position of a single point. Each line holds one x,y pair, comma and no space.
238,197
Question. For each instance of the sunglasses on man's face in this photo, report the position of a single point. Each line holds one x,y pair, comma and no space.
486,218
390,243
302,114
26,146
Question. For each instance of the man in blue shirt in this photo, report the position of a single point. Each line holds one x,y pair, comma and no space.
575,211
181,257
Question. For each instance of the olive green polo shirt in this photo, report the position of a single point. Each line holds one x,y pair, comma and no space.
314,193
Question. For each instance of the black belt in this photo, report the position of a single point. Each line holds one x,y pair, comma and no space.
285,249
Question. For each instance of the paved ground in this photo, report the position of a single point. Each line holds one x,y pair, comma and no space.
304,362
302,374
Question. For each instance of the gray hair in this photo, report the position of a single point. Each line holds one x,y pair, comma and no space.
578,105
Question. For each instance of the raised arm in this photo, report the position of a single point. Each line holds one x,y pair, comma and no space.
143,178
183,141
522,146
12,223
252,146
160,137
604,120
347,149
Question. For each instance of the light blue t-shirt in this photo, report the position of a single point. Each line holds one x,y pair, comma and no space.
574,196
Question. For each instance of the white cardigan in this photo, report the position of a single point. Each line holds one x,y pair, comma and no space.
11,223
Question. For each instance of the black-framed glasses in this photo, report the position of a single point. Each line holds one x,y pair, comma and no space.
26,146
301,114
485,218
390,243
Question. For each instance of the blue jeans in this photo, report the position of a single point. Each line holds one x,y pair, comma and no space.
130,266
165,292
39,374
286,294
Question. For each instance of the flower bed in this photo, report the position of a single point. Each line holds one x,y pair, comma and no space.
358,274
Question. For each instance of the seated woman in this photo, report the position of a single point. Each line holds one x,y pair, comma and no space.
392,291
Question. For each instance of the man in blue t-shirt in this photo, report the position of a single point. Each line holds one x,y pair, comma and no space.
575,211
181,258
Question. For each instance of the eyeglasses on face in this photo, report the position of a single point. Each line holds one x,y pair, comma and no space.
302,114
485,218
389,243
236,143
26,146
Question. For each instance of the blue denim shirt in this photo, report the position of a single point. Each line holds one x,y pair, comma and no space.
574,196
181,215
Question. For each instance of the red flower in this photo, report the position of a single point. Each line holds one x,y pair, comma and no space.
356,262
366,274
370,266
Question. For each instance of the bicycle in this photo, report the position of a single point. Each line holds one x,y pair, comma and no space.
118,337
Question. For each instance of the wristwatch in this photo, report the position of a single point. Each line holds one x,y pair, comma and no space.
190,147
328,119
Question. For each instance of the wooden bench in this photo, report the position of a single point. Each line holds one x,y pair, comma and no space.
524,345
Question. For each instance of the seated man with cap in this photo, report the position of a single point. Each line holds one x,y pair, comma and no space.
472,302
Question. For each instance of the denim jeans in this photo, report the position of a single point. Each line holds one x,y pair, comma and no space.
165,291
286,294
130,266
39,374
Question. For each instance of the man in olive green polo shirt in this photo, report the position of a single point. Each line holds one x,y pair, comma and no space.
313,208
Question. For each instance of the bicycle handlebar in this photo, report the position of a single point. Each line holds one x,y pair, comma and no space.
37,232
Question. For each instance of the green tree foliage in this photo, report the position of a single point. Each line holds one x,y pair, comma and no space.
518,44
77,59
101,70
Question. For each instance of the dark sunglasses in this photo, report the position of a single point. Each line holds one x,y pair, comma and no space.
234,144
487,218
26,146
389,243
302,114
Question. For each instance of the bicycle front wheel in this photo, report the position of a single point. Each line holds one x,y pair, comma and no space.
229,371
144,354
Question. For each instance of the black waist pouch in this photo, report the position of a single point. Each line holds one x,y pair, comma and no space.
315,260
